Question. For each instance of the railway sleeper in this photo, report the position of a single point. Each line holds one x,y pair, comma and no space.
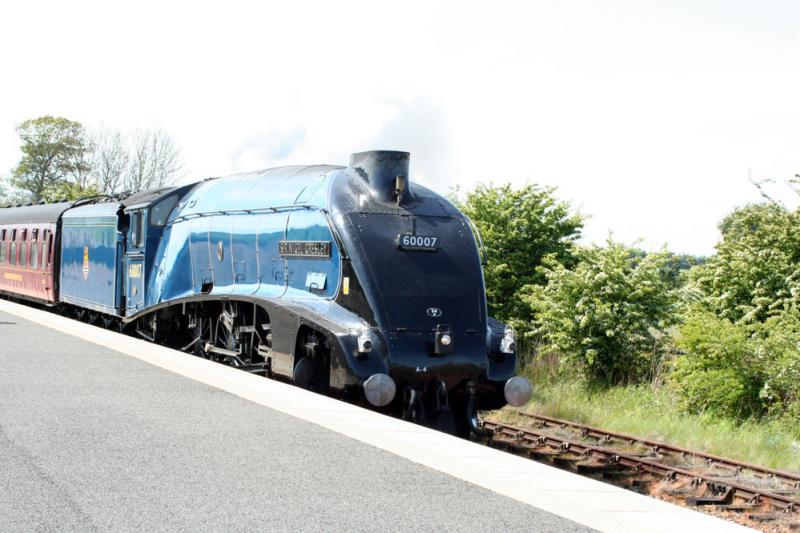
540,455
766,517
717,499
602,469
738,507
567,462
620,475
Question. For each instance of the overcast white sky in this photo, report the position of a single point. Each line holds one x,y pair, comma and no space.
647,116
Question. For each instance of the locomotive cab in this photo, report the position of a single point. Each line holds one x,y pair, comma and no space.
134,263
142,222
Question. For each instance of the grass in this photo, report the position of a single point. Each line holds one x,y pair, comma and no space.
651,412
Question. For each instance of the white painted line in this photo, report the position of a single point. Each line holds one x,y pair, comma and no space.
586,501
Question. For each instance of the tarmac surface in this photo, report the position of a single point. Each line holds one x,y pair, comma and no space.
96,440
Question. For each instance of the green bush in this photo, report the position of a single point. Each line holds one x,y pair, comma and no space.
740,336
605,316
777,342
519,228
739,370
717,391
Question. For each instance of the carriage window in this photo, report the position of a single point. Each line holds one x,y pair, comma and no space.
34,255
35,235
12,259
23,247
49,245
3,246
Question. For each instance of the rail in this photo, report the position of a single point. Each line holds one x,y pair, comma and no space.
747,493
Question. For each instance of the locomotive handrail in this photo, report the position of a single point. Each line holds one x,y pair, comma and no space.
85,200
336,236
274,209
477,234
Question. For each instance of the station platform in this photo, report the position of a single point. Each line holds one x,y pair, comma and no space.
100,431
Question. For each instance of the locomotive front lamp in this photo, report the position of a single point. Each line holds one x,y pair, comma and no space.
443,340
379,389
508,343
518,391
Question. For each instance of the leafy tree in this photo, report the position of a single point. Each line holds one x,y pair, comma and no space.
740,337
69,190
756,272
519,228
61,159
10,195
55,151
605,315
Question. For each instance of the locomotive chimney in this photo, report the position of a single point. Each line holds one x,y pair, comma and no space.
386,173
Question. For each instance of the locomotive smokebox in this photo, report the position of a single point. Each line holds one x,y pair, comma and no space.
386,173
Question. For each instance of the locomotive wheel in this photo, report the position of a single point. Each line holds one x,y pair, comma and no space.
305,373
311,371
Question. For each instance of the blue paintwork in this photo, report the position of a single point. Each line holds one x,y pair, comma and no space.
226,232
92,229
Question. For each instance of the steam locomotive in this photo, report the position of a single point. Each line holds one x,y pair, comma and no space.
350,281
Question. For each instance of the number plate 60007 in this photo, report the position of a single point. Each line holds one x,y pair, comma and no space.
417,243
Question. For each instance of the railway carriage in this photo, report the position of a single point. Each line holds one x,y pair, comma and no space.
351,281
28,251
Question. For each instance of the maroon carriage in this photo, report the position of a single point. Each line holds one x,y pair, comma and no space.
28,251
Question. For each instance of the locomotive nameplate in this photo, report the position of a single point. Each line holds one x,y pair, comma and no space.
304,248
417,243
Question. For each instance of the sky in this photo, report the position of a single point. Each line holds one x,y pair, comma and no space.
650,118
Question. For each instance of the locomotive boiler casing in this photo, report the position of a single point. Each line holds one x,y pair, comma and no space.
317,247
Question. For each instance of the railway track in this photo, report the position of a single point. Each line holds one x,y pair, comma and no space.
759,497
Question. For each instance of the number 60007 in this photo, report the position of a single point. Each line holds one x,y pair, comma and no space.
417,242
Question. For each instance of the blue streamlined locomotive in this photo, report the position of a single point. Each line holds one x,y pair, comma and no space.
350,281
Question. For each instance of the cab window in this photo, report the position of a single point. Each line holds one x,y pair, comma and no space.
138,228
159,213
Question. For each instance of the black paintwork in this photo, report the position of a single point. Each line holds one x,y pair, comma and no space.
396,288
